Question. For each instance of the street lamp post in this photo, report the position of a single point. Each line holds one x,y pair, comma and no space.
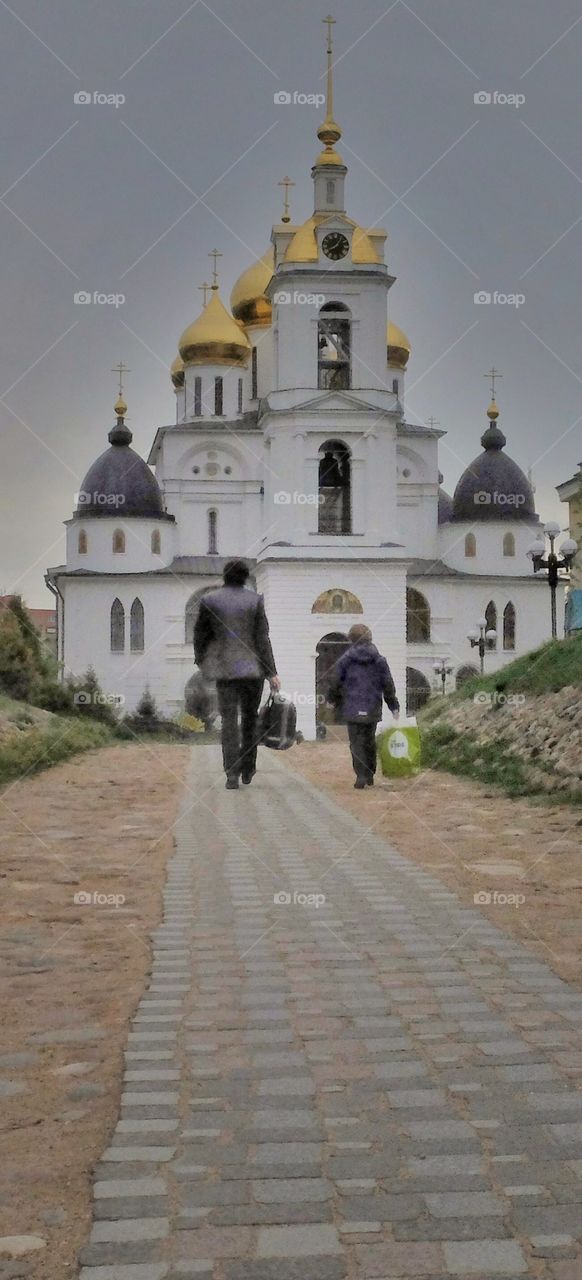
442,668
483,639
553,563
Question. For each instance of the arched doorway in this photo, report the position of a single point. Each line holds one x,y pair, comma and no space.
417,690
329,651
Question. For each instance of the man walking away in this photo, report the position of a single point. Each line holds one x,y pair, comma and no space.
361,680
232,631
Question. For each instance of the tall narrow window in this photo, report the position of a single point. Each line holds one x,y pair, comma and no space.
335,488
240,395
212,533
198,397
82,543
218,396
334,337
330,191
118,542
117,627
509,626
417,617
470,545
254,375
491,619
395,386
136,627
509,544
156,542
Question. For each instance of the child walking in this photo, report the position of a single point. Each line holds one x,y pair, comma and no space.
361,680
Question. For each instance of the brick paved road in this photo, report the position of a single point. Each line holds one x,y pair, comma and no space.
381,1085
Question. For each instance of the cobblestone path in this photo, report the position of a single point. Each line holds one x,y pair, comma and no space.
377,1084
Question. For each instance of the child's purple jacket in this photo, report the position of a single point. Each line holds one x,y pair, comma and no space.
362,678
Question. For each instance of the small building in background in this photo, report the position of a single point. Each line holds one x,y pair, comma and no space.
571,492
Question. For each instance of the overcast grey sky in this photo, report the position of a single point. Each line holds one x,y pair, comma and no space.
97,197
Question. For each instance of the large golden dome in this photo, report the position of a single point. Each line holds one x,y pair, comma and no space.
214,338
247,300
303,247
399,347
177,372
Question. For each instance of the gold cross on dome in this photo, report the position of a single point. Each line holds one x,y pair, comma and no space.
120,369
329,22
493,374
204,287
286,183
215,254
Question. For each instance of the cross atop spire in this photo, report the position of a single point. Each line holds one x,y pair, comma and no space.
432,423
120,369
493,374
215,254
329,22
286,183
329,132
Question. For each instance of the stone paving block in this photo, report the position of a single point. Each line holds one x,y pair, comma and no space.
485,1258
314,1268
298,1241
130,1207
144,1271
297,1190
468,1204
403,1260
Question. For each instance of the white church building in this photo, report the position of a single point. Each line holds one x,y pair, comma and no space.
291,449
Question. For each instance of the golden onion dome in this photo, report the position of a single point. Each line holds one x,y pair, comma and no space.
399,347
120,407
214,338
493,411
303,247
248,302
177,372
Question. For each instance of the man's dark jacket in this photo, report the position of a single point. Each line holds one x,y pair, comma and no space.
231,636
361,679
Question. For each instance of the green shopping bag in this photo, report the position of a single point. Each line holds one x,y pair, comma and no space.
399,749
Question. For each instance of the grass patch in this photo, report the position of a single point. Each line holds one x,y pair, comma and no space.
28,750
495,763
557,664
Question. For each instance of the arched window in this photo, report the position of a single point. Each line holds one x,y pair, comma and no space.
491,619
465,673
213,533
118,541
417,690
509,544
417,617
156,542
218,396
470,544
82,543
198,397
136,627
330,191
509,626
117,627
335,484
334,340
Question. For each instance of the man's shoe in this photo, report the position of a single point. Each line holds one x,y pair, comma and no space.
370,782
247,776
232,784
359,784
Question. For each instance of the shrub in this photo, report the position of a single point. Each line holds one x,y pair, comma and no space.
17,667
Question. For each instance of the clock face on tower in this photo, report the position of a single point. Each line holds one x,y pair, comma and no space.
335,245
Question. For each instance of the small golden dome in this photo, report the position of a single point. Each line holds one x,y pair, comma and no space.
214,338
120,407
177,372
247,300
329,156
493,412
399,347
303,247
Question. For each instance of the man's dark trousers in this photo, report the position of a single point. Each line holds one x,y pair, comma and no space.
239,752
363,748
